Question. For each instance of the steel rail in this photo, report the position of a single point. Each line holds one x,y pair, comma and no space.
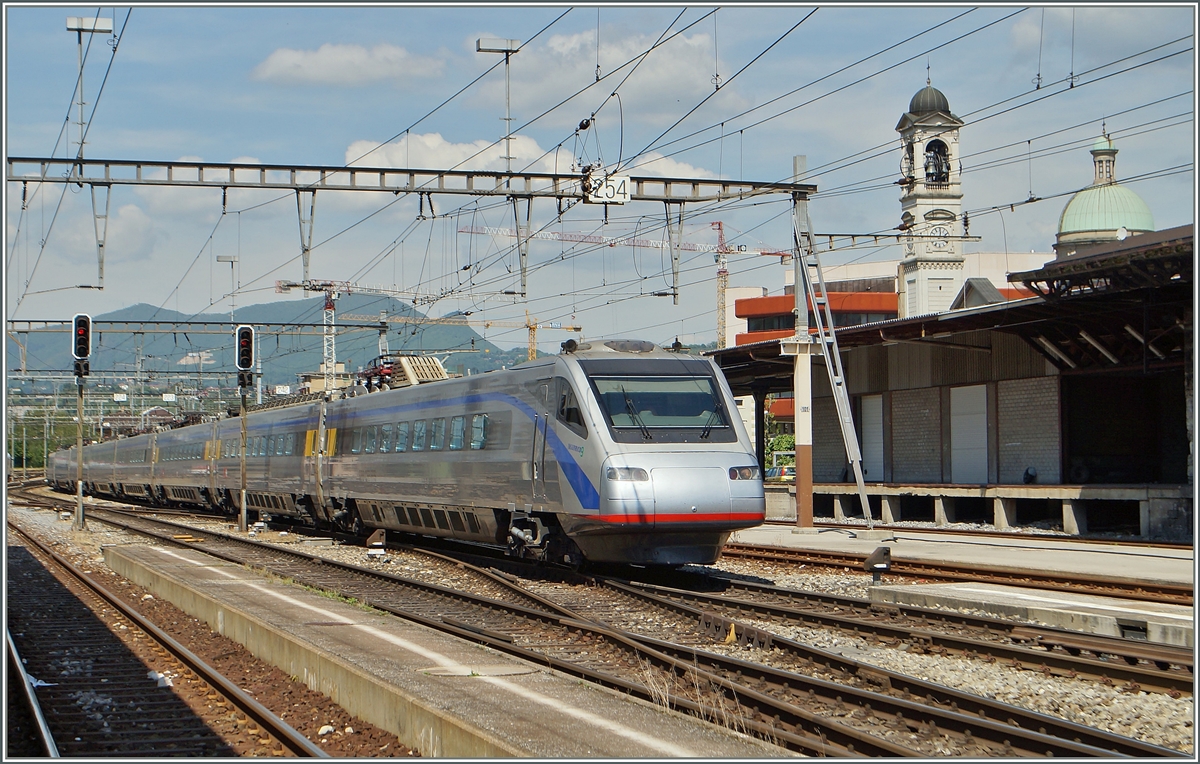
1116,587
16,666
1037,653
808,732
968,708
968,716
296,743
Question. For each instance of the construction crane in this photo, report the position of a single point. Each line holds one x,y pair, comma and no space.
333,290
722,279
531,324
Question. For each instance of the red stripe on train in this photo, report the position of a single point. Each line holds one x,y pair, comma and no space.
688,518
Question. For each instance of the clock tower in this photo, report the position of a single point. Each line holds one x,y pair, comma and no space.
931,271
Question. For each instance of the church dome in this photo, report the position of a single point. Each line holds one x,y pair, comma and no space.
1106,207
1104,211
928,99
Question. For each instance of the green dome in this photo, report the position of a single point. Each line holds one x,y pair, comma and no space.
1105,207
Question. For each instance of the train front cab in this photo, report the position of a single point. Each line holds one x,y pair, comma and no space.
678,477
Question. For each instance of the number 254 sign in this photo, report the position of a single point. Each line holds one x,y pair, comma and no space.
613,189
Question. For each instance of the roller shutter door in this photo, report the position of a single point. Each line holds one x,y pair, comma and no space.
968,434
872,437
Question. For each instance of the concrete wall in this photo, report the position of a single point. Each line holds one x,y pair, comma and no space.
917,436
1029,432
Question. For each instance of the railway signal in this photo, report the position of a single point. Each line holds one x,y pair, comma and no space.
81,343
245,355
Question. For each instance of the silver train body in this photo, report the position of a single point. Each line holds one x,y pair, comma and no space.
615,452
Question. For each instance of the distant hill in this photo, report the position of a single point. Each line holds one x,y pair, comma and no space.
168,355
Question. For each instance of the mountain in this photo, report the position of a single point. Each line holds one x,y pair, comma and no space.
166,353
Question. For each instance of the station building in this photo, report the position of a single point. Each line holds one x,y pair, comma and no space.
1058,392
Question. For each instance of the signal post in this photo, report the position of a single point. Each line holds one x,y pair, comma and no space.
245,366
81,351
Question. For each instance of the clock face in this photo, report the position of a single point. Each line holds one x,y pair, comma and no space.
939,234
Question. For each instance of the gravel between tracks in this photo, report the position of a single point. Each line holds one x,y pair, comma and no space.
1151,717
307,711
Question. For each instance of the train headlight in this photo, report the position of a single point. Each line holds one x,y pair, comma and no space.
627,473
743,473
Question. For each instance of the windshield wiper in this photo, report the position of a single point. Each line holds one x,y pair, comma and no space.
713,418
634,415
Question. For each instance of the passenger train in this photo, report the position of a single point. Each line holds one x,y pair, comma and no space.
615,451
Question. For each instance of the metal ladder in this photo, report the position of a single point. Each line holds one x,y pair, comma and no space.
814,288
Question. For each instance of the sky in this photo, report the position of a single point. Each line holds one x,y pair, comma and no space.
376,85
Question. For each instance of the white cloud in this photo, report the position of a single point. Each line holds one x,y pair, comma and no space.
668,82
349,65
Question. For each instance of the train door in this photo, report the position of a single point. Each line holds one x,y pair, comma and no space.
152,457
319,445
537,453
212,452
569,425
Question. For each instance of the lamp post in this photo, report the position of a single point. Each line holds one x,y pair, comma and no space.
232,260
507,47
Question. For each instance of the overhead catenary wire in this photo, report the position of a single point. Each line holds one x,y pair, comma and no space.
95,105
1035,154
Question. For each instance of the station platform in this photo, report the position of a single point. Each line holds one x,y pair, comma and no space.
1155,622
441,695
1171,565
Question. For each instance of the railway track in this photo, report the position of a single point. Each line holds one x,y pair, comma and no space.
1053,652
844,720
941,571
89,655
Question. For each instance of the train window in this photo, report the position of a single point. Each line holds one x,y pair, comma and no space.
369,440
385,438
569,412
414,517
437,434
418,441
478,431
401,437
260,445
270,444
457,425
279,441
442,522
290,446
356,443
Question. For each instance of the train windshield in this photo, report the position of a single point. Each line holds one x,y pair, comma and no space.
663,408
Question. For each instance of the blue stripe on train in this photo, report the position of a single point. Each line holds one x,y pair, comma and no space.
589,497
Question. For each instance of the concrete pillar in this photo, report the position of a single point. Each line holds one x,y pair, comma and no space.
890,508
1074,517
943,510
841,503
1144,518
1004,512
